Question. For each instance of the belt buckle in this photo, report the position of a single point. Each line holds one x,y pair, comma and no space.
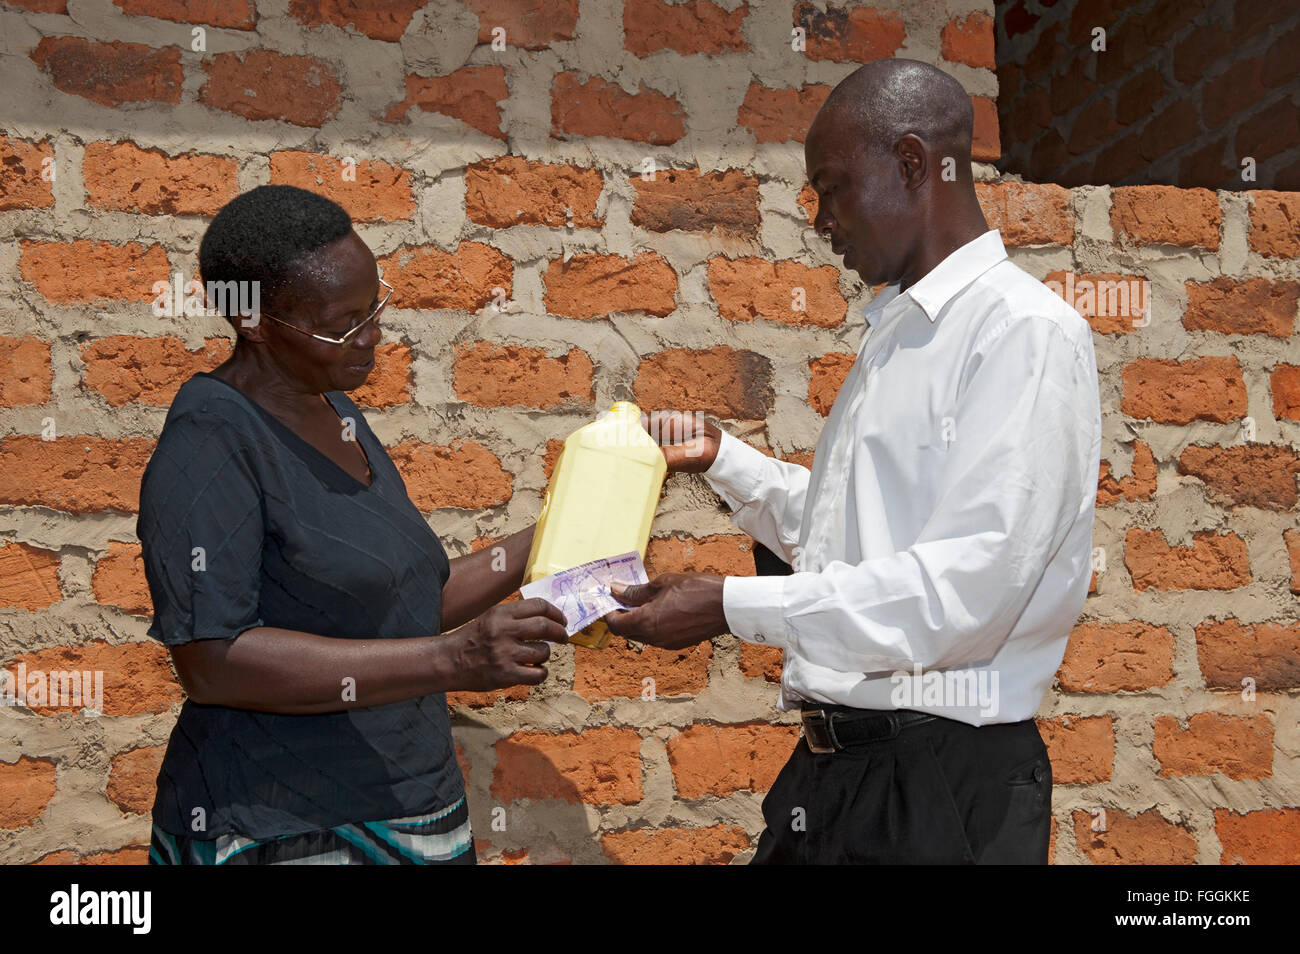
819,732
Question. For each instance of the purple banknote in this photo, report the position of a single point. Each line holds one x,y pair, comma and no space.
582,592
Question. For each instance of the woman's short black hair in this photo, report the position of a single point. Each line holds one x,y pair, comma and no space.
261,235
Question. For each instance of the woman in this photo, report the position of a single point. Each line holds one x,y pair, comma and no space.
298,588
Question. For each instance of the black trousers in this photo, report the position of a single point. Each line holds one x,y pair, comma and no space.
940,792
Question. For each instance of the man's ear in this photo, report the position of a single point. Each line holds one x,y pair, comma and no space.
913,160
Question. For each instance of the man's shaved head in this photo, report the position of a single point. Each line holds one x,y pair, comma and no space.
889,155
886,99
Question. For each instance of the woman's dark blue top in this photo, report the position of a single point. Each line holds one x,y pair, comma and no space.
243,523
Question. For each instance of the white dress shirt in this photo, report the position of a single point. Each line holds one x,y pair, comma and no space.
942,540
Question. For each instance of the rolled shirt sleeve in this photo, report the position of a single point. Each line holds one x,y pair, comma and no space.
766,495
201,530
1012,481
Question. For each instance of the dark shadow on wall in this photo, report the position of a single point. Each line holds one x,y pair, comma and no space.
1184,93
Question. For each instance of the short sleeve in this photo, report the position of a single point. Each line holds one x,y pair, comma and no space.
201,528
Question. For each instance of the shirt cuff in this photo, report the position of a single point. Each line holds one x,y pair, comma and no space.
737,470
755,609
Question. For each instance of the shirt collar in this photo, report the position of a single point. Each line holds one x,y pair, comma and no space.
941,283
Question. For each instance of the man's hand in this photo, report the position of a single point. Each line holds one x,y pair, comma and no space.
689,442
673,611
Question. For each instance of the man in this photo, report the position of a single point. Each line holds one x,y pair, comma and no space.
941,542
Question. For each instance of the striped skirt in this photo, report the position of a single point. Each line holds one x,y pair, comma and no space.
440,838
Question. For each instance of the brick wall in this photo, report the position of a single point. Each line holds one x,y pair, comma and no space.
1150,92
513,177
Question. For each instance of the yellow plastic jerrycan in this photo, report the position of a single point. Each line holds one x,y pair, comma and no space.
601,501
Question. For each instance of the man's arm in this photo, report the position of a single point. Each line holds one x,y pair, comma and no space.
1015,478
1019,470
766,495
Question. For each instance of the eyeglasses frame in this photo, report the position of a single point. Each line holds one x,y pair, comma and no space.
351,332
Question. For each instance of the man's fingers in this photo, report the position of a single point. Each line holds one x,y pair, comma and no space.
632,594
528,675
542,627
624,623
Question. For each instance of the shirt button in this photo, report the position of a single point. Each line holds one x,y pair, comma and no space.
759,637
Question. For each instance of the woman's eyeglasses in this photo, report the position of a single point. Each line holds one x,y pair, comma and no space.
351,332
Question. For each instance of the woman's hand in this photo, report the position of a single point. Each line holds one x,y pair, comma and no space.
506,646
689,442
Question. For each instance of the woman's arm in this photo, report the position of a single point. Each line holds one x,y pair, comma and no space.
482,579
295,673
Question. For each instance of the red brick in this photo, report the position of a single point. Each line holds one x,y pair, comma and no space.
126,369
1252,475
25,374
826,375
510,190
1143,839
725,382
137,675
1275,224
119,579
123,177
481,700
1094,126
111,73
1231,93
1284,381
598,766
22,163
721,759
78,474
986,144
1272,130
719,202
1255,306
472,94
619,671
969,40
230,14
463,474
29,576
1238,747
1136,99
1266,653
375,191
428,277
263,84
694,26
1027,214
132,779
725,554
26,787
1165,215
40,6
529,24
389,382
1139,485
853,35
491,375
379,21
1213,561
1111,302
781,115
1167,130
1117,657
1179,392
86,271
761,661
1270,836
675,846
134,855
590,286
750,288
597,107
1081,748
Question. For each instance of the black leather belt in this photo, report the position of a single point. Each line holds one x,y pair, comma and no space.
831,728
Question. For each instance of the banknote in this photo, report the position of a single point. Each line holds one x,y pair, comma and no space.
582,592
